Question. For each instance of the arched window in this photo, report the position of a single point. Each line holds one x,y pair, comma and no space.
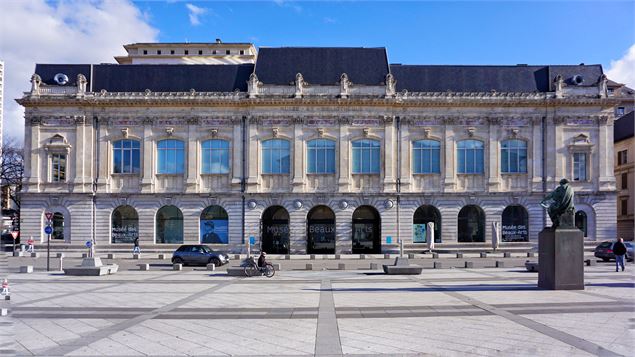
426,157
169,225
422,216
124,225
320,231
126,157
214,225
515,224
470,155
513,156
215,157
275,230
171,157
471,224
320,156
58,226
366,156
276,156
366,230
581,222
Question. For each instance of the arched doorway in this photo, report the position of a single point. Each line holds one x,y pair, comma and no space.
581,222
471,224
169,225
515,223
320,231
58,226
124,226
423,215
275,230
214,228
366,230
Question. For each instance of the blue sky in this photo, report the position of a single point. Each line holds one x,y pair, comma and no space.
422,32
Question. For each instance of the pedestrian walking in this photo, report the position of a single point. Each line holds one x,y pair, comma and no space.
5,287
136,249
619,249
31,243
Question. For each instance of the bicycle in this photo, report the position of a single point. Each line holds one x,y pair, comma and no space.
252,268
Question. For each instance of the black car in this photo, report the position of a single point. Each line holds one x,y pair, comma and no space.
604,251
198,254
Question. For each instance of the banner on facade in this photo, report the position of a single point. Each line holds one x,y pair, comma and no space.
215,231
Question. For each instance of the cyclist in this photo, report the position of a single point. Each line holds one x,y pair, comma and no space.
262,260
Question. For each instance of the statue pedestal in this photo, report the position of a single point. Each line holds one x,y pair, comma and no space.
561,256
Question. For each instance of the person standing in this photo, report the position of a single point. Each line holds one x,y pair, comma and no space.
136,249
31,243
619,249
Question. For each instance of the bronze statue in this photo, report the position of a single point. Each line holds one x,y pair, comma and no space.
559,204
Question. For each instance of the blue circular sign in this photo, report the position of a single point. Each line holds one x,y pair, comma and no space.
88,244
48,230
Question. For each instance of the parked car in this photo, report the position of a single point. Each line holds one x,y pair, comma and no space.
198,254
604,251
7,238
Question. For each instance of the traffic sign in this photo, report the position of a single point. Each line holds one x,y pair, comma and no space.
48,230
14,234
89,244
49,216
388,240
252,240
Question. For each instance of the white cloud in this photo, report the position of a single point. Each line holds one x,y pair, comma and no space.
195,12
68,31
623,69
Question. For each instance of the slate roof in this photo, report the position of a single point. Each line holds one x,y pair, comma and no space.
624,127
520,78
157,78
322,65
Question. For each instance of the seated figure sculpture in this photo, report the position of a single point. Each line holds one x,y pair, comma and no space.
559,204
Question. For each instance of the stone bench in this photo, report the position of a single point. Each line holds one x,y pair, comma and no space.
500,264
309,266
145,267
531,266
111,256
162,256
483,255
236,271
469,264
26,269
211,266
437,265
341,266
92,267
35,255
402,267
177,266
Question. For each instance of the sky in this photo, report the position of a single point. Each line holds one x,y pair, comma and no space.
413,32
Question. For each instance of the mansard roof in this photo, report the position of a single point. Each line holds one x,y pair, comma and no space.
624,127
322,65
519,78
157,78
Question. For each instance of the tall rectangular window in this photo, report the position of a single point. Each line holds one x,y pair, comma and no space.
624,180
619,111
321,156
579,166
126,157
276,156
58,167
426,157
470,157
622,157
366,157
624,206
513,156
171,157
215,157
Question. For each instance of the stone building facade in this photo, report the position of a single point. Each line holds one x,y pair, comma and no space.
624,136
314,150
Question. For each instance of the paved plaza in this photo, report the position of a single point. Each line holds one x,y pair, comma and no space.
447,312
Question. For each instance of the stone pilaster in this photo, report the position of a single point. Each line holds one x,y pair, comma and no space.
344,178
298,158
389,156
147,181
449,159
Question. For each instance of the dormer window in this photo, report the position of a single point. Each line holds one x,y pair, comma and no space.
228,52
158,52
171,52
145,52
214,52
619,111
187,52
242,52
200,52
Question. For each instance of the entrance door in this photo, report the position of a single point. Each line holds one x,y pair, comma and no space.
275,230
366,231
320,231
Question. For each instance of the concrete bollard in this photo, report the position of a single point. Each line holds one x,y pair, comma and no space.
309,266
500,264
411,255
61,259
483,255
60,255
337,256
144,267
435,255
341,266
374,266
362,256
386,256
277,266
35,255
161,256
287,257
469,264
590,262
111,256
507,255
177,266
136,256
459,255
312,257
4,312
531,254
26,269
84,255
211,266
438,265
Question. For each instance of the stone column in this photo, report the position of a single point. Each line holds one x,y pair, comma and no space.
148,158
344,175
298,157
389,155
191,183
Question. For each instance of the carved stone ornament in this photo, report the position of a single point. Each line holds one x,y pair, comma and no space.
426,132
192,91
344,86
320,132
343,204
36,82
391,85
514,132
365,132
602,86
389,119
251,204
470,131
213,132
147,92
80,120
388,204
274,132
559,86
124,133
299,85
194,121
36,120
297,204
169,131
81,84
252,85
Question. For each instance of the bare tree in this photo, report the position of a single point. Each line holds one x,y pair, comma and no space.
12,169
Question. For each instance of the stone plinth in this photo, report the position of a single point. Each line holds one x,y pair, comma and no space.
402,267
561,255
92,267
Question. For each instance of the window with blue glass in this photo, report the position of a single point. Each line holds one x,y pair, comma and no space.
321,156
126,157
366,155
171,157
276,156
513,156
215,157
426,157
470,154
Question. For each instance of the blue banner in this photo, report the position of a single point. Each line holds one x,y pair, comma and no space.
215,231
